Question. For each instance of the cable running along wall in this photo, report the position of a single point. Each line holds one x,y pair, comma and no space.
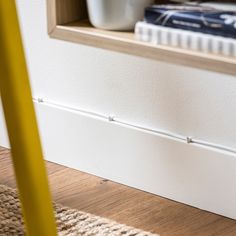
159,132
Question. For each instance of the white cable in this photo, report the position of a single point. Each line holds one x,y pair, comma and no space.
213,145
159,132
57,105
112,118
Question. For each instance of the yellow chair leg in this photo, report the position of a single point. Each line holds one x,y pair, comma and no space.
22,127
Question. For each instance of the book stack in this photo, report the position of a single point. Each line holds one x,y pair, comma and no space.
204,27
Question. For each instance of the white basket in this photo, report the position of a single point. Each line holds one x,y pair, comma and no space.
116,14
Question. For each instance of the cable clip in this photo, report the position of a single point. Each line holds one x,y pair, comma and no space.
189,140
111,118
40,100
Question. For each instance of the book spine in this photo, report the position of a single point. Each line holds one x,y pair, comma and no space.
193,18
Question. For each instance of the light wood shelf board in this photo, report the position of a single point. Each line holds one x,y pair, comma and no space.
65,23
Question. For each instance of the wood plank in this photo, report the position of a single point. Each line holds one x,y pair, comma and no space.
83,33
123,204
67,20
70,10
51,16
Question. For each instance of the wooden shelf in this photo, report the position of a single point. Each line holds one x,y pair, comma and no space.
67,20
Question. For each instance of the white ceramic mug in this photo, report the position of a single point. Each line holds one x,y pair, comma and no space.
116,14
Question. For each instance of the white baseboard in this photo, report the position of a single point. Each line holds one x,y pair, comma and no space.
201,177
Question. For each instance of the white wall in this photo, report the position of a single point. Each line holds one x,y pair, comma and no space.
140,91
3,133
154,94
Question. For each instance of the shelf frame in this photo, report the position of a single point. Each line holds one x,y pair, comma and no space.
68,21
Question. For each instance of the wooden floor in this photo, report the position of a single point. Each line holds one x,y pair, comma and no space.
123,204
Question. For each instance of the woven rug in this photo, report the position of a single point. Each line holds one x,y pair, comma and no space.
69,221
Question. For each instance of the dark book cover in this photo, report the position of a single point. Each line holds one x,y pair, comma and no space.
194,18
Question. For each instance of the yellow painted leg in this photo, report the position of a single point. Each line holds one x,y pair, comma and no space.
22,127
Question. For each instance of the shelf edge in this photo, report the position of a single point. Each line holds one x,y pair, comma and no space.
165,54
